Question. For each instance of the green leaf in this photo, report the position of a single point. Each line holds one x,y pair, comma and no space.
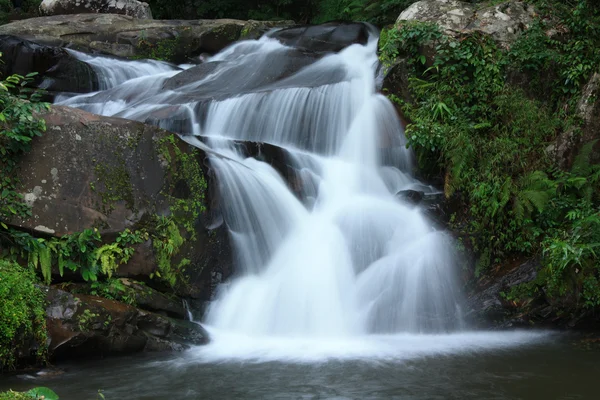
38,392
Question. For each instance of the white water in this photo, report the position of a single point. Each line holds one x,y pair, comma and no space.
338,266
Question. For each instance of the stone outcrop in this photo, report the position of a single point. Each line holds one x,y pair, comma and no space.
329,37
133,8
58,71
83,325
504,21
487,306
89,171
491,303
124,36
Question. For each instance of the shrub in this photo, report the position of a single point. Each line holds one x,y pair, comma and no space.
22,314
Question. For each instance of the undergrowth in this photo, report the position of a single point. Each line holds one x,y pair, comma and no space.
22,315
488,138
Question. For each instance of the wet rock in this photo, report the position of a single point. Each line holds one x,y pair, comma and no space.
58,71
143,296
88,171
83,325
503,22
329,37
487,307
396,80
124,36
413,197
132,8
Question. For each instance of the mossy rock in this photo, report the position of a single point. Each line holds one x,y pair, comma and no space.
111,174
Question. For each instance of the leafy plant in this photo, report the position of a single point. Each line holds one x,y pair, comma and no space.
487,138
114,289
22,314
42,393
167,241
18,127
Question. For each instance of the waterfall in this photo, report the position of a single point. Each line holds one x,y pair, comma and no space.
333,254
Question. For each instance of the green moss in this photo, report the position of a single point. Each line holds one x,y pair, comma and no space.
115,185
162,50
22,314
186,198
184,169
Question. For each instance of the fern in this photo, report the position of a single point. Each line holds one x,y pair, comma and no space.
45,257
533,193
107,256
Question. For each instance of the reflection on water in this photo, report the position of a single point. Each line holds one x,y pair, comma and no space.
548,368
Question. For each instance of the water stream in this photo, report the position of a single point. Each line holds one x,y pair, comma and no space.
333,269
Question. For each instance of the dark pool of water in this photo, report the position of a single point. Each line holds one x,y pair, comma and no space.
560,368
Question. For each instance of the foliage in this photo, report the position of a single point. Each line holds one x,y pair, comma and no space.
378,12
184,167
299,10
572,247
42,393
29,8
562,44
82,252
86,319
114,289
167,241
487,139
22,313
37,393
18,127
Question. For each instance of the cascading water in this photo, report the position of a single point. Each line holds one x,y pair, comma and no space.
332,254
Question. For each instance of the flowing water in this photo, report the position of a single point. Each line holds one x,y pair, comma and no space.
342,289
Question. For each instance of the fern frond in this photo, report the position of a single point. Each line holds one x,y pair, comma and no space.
45,258
107,255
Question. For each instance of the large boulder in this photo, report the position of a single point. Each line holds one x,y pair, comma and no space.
92,171
133,8
124,36
329,37
83,325
89,171
504,21
58,70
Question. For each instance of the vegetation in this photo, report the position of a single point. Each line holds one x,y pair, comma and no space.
379,12
22,314
488,139
38,393
26,260
8,11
